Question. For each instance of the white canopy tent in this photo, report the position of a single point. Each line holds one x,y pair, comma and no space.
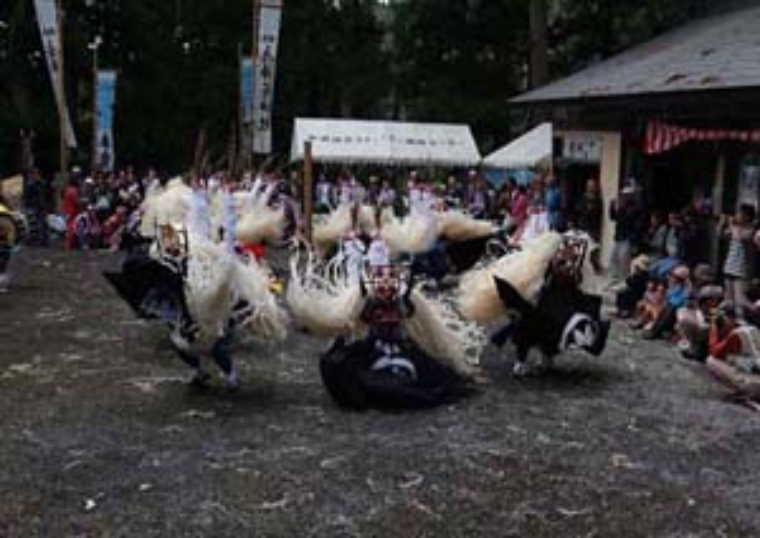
383,142
531,149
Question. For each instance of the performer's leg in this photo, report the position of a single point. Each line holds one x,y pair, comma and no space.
501,336
182,348
520,368
221,351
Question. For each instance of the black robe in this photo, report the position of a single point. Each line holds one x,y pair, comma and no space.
152,289
348,375
565,317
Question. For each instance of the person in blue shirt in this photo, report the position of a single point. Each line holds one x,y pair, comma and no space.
676,297
553,203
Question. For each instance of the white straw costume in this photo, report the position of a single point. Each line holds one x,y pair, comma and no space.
445,336
266,320
258,221
328,303
413,234
329,230
525,270
458,226
323,299
165,206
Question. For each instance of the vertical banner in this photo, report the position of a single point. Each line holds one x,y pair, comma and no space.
266,65
105,99
47,20
246,90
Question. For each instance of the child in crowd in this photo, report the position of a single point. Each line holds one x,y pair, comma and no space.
676,297
694,321
651,306
87,229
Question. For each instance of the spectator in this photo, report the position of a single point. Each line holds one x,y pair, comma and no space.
635,287
739,230
553,203
325,195
519,209
589,210
676,297
672,247
694,321
626,212
648,310
71,208
387,196
36,197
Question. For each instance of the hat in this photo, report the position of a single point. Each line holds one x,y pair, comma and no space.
703,273
681,272
641,263
710,292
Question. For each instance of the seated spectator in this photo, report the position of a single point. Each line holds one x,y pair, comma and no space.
648,310
735,355
694,321
87,229
635,287
676,297
113,228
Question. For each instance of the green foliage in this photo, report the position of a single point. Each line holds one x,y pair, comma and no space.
460,60
425,60
584,31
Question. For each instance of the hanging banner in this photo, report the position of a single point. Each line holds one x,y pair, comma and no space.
105,155
661,137
266,64
47,20
246,89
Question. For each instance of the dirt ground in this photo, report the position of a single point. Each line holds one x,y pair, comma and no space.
99,436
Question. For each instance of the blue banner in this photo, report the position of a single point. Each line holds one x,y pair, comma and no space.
246,89
105,100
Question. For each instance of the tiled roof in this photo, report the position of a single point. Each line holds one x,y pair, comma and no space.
716,53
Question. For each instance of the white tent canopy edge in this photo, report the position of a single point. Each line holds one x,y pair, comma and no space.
385,142
531,149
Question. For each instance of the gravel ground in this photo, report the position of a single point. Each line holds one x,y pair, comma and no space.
99,436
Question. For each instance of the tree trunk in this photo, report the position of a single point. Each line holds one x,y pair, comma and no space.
539,45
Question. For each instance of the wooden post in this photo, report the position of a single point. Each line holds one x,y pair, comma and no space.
307,194
63,145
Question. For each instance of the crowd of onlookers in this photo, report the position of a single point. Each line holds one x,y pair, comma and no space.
712,317
88,212
659,265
